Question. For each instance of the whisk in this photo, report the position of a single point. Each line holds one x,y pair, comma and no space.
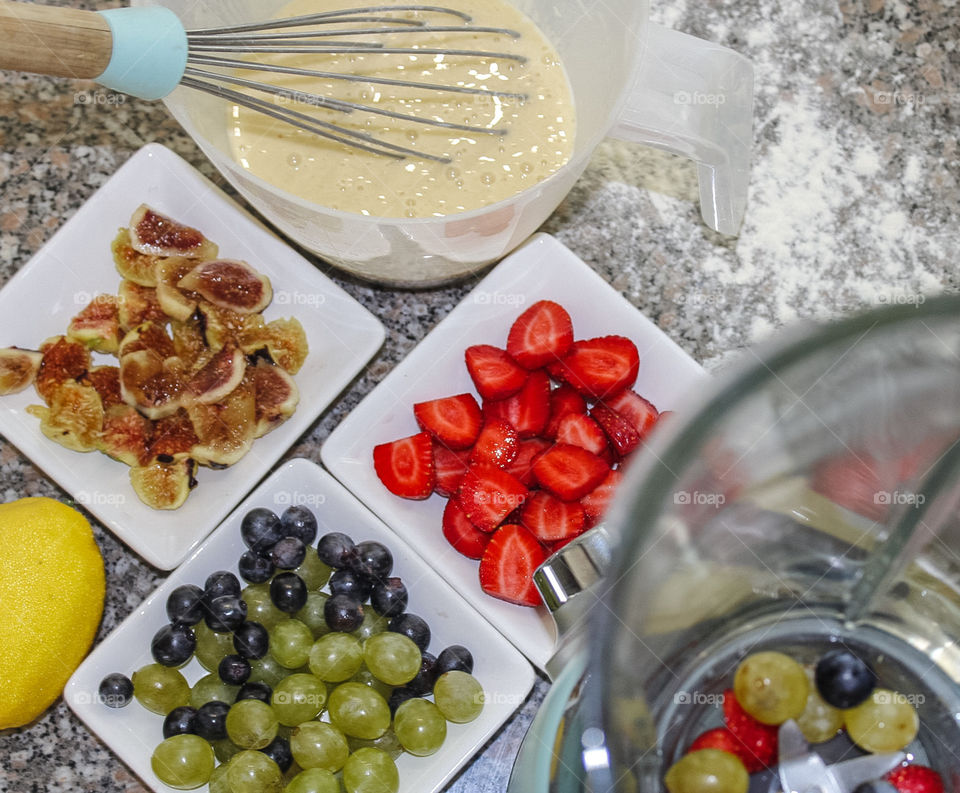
146,52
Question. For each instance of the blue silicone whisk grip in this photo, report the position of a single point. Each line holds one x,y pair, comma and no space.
149,51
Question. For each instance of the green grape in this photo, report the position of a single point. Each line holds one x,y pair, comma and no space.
313,572
372,624
210,688
370,771
819,721
267,670
392,657
225,749
316,744
311,614
368,678
160,688
771,687
298,698
886,722
290,643
420,727
253,772
183,762
260,606
251,724
358,710
218,779
387,742
313,780
707,771
336,657
211,646
459,696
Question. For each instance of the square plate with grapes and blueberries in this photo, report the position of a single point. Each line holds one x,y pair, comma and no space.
301,640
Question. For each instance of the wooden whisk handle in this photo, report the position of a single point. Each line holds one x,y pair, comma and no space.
63,42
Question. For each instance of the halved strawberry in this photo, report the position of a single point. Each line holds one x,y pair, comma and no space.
641,414
564,400
601,367
496,444
488,494
405,466
759,740
596,502
541,334
522,465
461,533
450,466
915,778
569,472
550,519
721,738
528,409
495,374
623,437
454,421
508,564
582,431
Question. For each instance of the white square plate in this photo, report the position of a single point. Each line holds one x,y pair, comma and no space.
76,264
133,732
542,269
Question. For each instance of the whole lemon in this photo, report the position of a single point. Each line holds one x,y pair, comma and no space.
51,591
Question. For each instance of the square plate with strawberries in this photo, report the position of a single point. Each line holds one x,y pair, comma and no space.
522,441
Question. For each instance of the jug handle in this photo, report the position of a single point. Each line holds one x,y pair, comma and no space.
695,98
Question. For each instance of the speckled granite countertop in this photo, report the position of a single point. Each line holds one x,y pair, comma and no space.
853,200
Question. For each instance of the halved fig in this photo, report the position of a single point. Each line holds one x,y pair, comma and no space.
137,304
74,418
149,384
229,283
125,435
106,382
174,303
97,325
63,360
147,336
222,373
276,395
287,343
131,263
156,234
225,429
173,438
18,369
164,485
253,335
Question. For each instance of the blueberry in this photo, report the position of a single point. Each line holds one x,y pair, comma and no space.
298,521
343,613
226,613
210,722
115,690
347,582
180,721
372,560
456,657
220,584
255,568
173,645
422,684
255,689
260,529
251,640
389,597
185,605
876,786
336,549
288,592
288,553
843,680
234,670
278,750
398,697
413,627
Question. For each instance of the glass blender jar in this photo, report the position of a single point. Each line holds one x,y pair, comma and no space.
808,502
